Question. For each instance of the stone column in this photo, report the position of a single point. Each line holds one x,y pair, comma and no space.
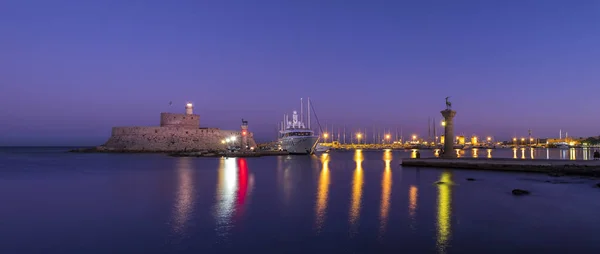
449,133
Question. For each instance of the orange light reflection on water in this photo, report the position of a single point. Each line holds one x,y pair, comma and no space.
357,184
386,190
322,192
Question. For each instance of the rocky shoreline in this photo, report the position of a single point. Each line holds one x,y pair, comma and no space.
187,153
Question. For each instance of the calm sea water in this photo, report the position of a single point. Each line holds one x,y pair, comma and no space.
342,202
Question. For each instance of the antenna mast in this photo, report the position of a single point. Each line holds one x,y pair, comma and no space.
308,111
301,111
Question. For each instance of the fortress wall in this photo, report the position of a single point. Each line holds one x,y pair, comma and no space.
168,139
179,120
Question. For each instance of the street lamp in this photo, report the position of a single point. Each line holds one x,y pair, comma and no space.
325,135
489,139
443,123
358,136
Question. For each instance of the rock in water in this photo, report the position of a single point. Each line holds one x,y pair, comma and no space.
470,179
519,192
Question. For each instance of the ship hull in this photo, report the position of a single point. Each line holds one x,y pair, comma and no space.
299,145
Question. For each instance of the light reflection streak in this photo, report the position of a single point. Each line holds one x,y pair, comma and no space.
226,195
413,195
522,153
322,192
547,154
475,150
245,182
357,184
444,212
489,153
572,155
532,156
386,190
514,153
586,151
184,205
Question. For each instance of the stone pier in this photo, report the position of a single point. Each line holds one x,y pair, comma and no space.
448,133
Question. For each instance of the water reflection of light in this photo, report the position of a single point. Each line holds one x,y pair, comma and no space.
514,153
475,150
444,212
532,157
226,194
459,152
184,204
547,153
563,154
572,154
244,186
586,153
322,192
522,153
413,154
357,183
436,152
413,194
386,190
489,153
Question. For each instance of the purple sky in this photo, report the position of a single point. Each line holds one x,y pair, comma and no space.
70,70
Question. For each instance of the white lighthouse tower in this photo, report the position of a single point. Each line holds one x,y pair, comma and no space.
189,109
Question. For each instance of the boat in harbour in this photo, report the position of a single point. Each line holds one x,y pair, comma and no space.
321,148
562,145
296,137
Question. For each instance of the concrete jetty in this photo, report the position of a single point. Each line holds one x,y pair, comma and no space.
567,167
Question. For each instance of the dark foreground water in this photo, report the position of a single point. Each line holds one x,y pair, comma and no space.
343,202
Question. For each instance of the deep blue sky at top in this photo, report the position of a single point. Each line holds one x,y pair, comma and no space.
70,70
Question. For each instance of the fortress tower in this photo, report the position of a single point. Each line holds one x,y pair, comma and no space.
187,121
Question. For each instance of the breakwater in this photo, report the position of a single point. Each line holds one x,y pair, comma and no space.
238,154
567,167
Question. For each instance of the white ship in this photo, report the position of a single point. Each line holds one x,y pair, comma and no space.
562,145
295,137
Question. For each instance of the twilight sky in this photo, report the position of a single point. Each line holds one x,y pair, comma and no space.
70,70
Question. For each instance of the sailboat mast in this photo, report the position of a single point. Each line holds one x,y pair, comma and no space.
308,110
401,136
301,111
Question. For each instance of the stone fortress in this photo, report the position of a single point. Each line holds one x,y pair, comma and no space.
177,132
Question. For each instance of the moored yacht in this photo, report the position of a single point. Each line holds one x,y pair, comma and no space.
562,145
296,138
